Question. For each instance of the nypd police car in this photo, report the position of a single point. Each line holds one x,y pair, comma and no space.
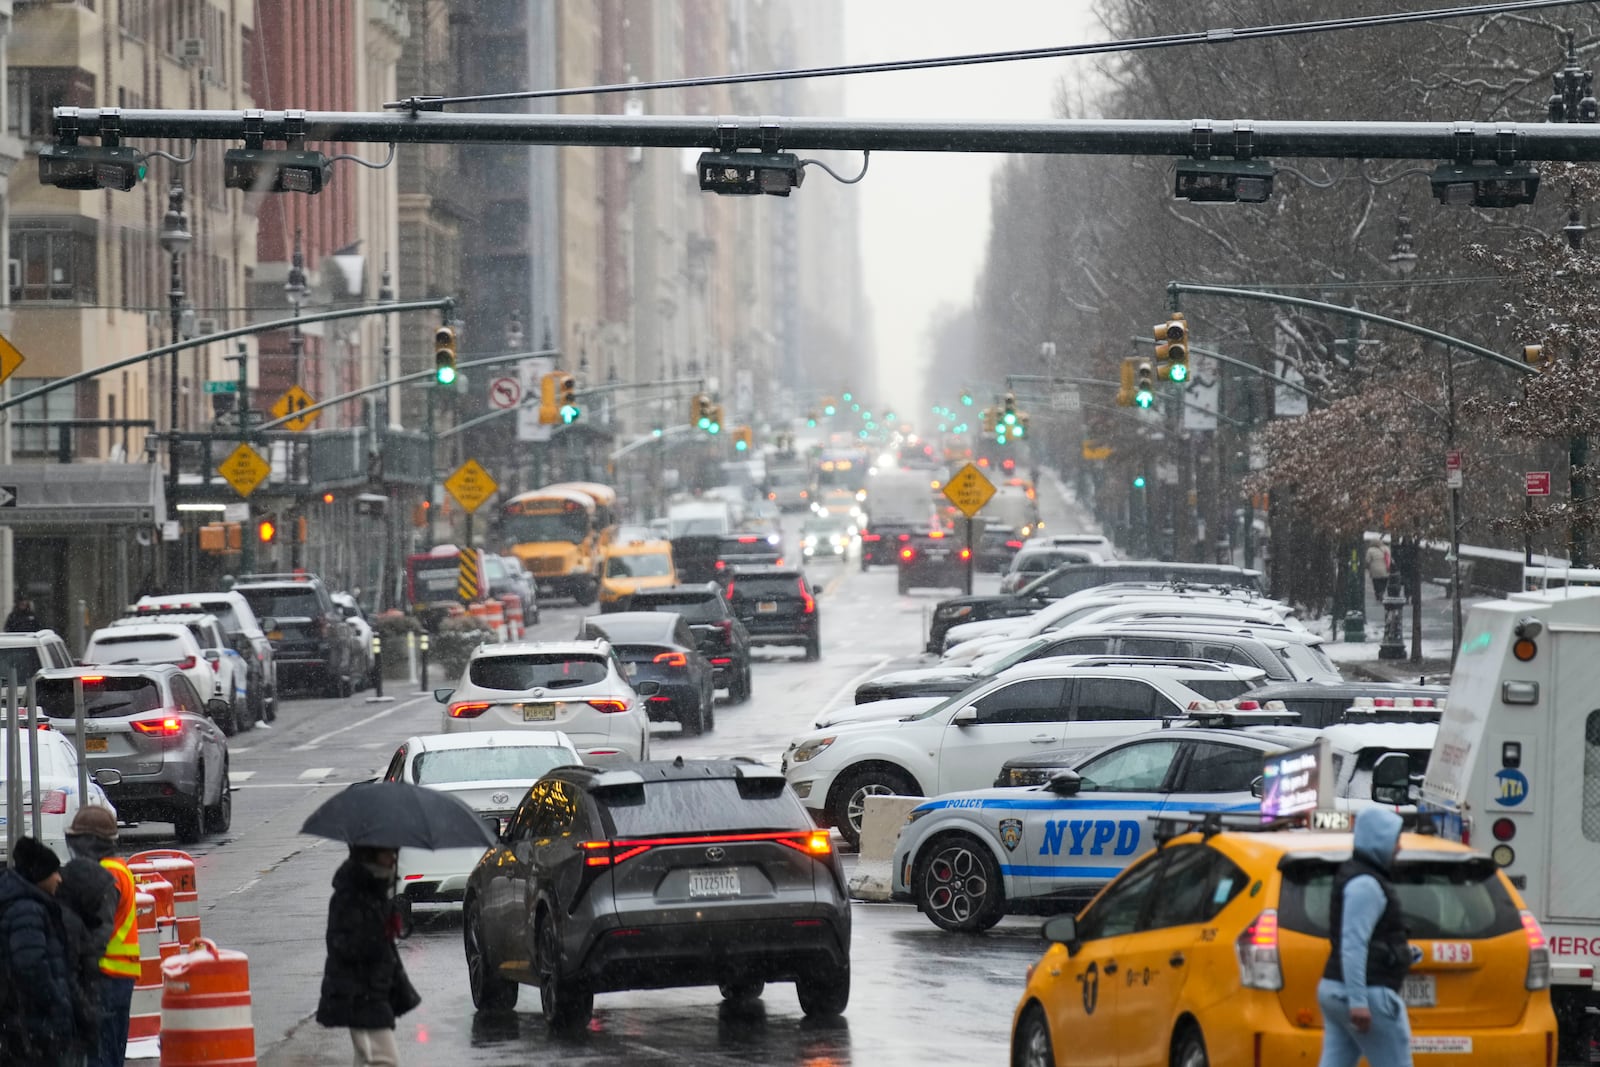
965,859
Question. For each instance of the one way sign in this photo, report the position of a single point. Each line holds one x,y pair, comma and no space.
8,496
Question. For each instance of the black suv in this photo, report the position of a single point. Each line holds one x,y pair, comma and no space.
312,643
722,638
657,875
932,558
778,607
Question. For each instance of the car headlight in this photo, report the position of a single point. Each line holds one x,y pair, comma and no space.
955,613
811,749
1027,776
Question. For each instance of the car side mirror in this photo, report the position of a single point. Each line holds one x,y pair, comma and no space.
1065,783
213,655
442,696
1391,779
1257,786
107,776
647,689
967,716
1062,930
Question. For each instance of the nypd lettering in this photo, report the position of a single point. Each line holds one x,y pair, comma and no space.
1090,837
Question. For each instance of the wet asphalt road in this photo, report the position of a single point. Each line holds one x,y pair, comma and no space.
919,996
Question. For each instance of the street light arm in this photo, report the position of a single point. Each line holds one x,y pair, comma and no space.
1212,353
225,335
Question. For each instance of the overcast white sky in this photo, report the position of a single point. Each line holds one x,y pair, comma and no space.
925,217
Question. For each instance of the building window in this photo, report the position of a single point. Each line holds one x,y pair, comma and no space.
133,18
33,91
53,260
37,442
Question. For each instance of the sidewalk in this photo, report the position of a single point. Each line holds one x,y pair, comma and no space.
1360,659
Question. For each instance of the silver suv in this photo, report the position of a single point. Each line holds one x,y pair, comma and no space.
149,725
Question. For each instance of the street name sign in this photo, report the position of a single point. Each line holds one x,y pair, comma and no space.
230,385
1537,483
244,469
969,490
471,485
294,400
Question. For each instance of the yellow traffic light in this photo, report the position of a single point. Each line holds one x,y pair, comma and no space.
567,393
716,419
742,439
1125,391
444,356
549,406
1144,384
1534,355
1172,348
267,530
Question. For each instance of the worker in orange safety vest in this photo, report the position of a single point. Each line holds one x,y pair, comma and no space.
93,835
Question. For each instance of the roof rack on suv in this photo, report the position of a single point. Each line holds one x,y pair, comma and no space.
1107,659
283,576
1227,714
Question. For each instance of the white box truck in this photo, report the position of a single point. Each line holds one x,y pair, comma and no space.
1515,772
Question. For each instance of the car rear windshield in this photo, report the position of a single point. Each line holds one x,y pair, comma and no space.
106,698
1453,899
1218,688
619,631
766,587
143,648
526,763
649,565
296,603
694,607
702,805
21,660
548,671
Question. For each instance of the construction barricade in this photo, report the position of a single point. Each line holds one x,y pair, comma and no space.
144,1018
514,622
494,613
205,1009
177,868
149,880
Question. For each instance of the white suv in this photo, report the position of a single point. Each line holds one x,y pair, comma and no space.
136,642
961,742
232,674
578,687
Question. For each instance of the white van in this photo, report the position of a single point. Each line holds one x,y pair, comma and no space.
1515,772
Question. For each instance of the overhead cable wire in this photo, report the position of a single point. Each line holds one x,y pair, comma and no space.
1132,44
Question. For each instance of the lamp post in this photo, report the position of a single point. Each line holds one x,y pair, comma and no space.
175,240
295,290
385,296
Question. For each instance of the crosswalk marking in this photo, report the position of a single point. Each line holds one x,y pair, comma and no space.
240,776
315,772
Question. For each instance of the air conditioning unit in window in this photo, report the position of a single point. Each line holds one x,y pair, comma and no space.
191,48
208,76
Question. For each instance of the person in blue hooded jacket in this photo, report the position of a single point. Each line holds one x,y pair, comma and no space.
1363,1013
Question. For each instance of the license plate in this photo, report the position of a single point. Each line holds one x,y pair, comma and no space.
274,635
538,712
1439,1043
723,882
937,556
767,607
1420,991
95,744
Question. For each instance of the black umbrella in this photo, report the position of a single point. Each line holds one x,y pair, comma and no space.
398,815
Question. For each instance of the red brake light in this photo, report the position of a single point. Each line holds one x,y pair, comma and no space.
726,625
92,679
729,591
186,663
55,802
935,533
748,540
1535,932
1504,829
610,853
1013,544
171,726
906,553
722,564
609,707
671,659
468,709
905,537
810,601
1257,949
871,537
812,843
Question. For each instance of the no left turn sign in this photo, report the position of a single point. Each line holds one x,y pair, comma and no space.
505,393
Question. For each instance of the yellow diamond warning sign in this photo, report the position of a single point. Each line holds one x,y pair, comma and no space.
244,469
969,490
471,485
294,400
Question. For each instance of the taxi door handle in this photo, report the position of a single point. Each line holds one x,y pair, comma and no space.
1044,739
1110,967
1176,959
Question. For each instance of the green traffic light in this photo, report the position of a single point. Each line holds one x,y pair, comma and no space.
739,446
811,424
829,410
1021,431
1144,398
847,398
1178,372
715,428
855,407
569,412
1138,482
445,375
1011,418
966,399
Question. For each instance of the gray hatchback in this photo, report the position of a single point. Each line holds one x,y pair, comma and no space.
148,724
658,875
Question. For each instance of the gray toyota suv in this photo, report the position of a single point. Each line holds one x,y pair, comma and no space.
658,875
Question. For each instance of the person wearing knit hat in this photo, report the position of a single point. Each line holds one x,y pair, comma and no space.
37,1025
88,898
92,839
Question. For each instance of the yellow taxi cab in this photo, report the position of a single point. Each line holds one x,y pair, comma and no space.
1209,951
629,566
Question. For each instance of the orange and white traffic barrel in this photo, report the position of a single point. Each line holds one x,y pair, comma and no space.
149,880
514,622
179,869
494,613
205,1008
144,1018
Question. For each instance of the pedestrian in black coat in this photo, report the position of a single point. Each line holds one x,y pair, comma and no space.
36,990
364,984
88,899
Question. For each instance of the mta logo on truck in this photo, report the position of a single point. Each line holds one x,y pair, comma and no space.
1513,787
1090,837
